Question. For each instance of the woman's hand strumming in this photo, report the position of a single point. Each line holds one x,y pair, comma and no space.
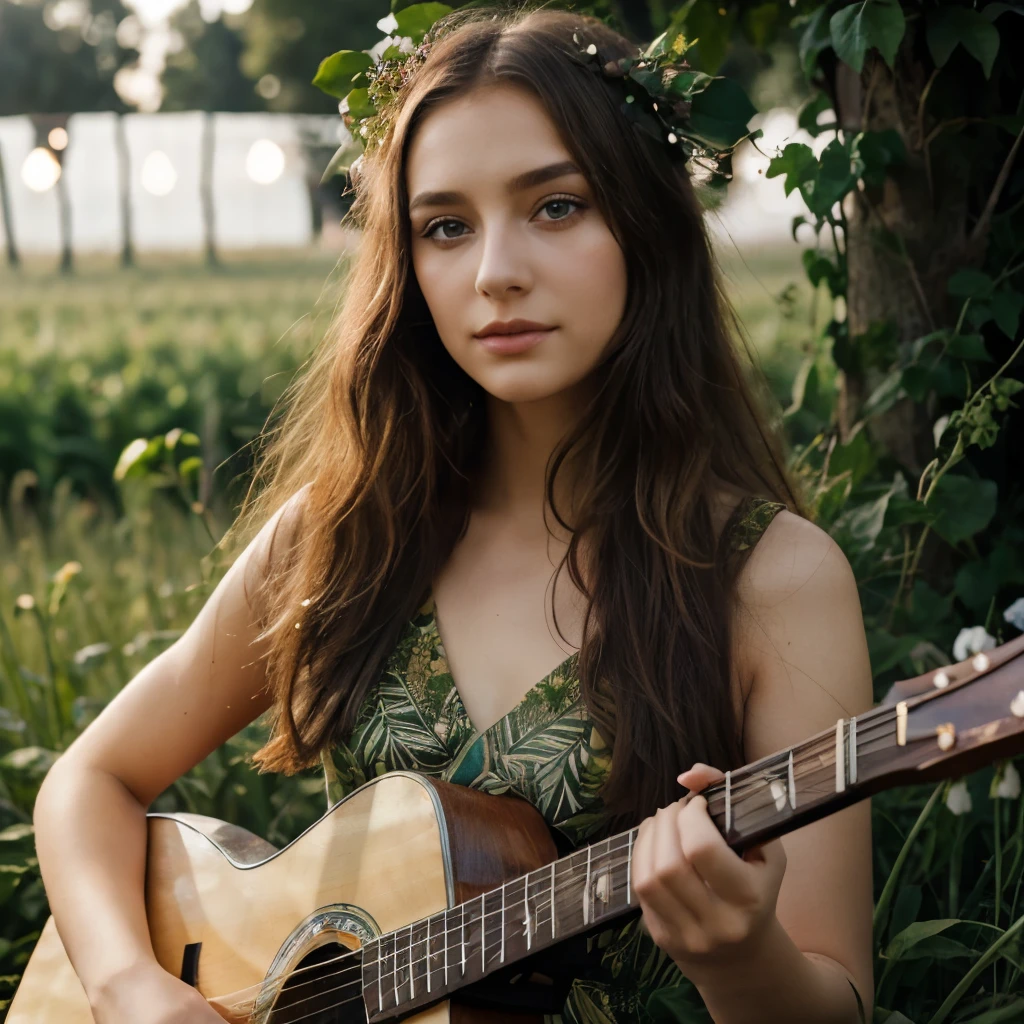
147,994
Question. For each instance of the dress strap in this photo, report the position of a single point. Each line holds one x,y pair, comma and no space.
748,522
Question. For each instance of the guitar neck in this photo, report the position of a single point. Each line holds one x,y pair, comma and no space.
434,957
887,746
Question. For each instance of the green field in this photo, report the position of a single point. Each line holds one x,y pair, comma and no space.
97,576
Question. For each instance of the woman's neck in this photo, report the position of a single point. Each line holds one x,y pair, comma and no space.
521,436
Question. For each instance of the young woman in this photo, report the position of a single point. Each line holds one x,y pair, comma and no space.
433,479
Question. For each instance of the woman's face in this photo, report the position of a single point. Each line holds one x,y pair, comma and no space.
489,250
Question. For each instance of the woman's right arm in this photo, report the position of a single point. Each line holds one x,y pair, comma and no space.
90,813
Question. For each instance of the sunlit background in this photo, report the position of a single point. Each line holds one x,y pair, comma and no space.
171,126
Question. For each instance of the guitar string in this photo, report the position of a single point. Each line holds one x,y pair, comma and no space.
495,912
562,886
394,982
400,972
757,782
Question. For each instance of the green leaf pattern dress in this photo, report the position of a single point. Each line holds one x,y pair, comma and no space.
545,750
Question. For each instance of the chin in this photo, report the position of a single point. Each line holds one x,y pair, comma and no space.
534,385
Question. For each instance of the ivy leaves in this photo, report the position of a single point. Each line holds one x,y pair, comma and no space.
868,24
880,25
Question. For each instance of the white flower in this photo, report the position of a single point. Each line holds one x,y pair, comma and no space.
378,48
405,44
1014,615
958,798
1006,782
89,652
972,640
388,24
938,427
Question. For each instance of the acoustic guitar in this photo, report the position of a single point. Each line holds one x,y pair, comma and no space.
409,895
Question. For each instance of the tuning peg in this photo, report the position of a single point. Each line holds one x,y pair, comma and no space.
1017,705
947,735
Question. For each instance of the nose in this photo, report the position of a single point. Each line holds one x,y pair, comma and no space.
504,261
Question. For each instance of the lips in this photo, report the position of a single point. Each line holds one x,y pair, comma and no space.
512,344
496,327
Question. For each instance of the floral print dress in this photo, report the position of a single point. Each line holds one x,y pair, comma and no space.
547,751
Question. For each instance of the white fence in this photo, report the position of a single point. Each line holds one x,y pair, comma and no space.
261,181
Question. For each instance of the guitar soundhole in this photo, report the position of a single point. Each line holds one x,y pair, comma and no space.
326,988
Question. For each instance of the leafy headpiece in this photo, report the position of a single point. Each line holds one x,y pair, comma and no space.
694,115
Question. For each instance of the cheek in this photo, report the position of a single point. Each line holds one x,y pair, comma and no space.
593,288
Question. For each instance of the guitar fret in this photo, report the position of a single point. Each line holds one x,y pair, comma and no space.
394,967
526,908
552,898
629,869
853,751
840,758
412,967
586,891
502,922
483,933
463,939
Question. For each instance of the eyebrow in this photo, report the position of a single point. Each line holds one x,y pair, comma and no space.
521,182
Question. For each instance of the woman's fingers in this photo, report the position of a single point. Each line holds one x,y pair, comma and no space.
699,776
703,846
673,882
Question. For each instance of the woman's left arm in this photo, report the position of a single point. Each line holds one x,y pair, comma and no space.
782,933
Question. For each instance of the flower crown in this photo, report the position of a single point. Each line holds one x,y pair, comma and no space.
694,115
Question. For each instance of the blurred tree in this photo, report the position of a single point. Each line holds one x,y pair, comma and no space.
285,40
82,44
203,73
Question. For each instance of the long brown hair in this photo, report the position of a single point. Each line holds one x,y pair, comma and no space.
383,434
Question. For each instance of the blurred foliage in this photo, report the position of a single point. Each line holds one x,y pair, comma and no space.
83,372
204,71
81,44
285,38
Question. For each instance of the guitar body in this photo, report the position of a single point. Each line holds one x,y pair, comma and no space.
227,911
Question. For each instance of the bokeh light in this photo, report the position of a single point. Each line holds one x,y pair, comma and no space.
40,171
58,139
158,174
265,162
269,87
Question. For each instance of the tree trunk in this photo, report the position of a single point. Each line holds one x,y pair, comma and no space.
928,212
67,262
5,209
209,143
124,168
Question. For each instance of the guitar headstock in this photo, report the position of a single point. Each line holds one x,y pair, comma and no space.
958,718
938,725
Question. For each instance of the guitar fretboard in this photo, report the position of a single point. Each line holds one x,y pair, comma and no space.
431,958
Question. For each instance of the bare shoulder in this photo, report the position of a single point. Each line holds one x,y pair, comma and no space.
799,638
791,554
271,548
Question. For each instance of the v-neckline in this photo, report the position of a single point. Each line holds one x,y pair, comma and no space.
431,610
